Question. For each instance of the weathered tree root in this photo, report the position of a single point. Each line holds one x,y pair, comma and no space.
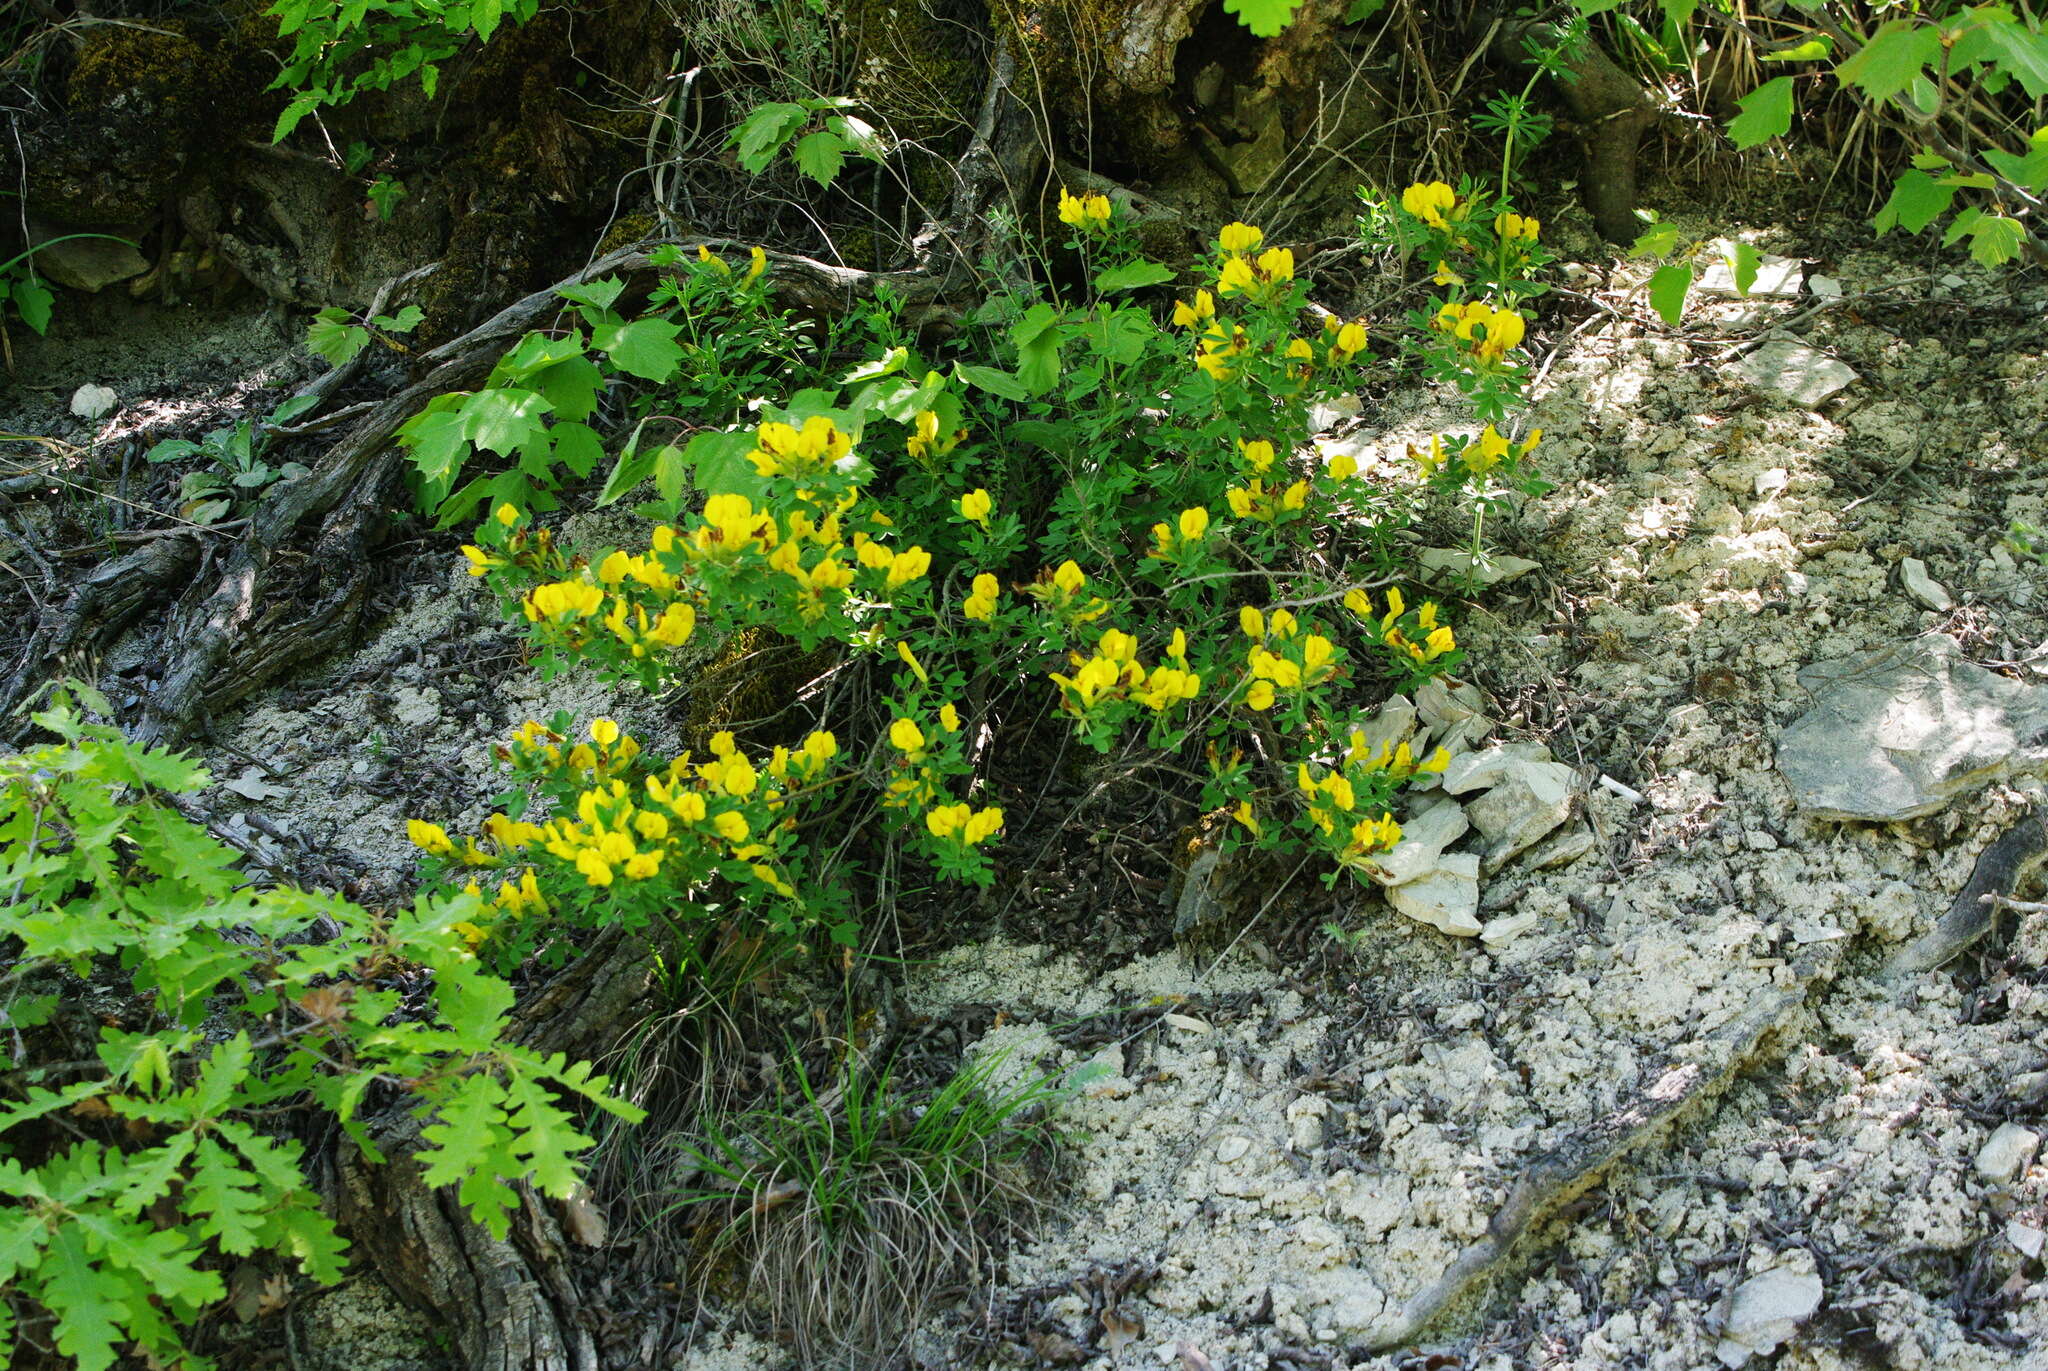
103,604
511,1304
1568,1171
2001,869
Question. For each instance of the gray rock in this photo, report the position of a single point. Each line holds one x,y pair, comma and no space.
1530,800
1478,770
1775,276
1423,840
89,264
93,402
2006,1152
1392,724
1922,587
1801,374
1447,899
1504,930
1898,732
1765,1310
1562,850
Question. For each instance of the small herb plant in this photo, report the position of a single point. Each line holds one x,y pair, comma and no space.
237,457
133,1173
818,134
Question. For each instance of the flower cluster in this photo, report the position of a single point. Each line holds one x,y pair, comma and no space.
1088,213
1488,334
1065,592
1254,500
1113,674
1433,202
1474,457
1415,640
1178,542
1283,657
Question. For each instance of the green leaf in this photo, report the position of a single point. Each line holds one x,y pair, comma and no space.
302,104
578,447
671,469
1668,289
1655,242
1036,321
888,364
438,441
1132,275
32,301
309,1236
1743,261
993,381
861,138
1265,18
1893,59
1995,239
571,386
720,460
763,132
646,348
473,1003
503,421
599,294
820,155
2030,171
334,335
2021,52
1916,201
1038,363
1362,10
223,1199
1814,49
87,1304
1766,114
534,353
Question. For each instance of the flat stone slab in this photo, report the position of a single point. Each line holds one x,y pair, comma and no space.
1801,374
1898,732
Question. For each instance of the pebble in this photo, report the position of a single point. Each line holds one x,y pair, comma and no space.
1924,588
1764,1311
2006,1152
1232,1148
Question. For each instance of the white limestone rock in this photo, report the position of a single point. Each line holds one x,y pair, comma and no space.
1446,898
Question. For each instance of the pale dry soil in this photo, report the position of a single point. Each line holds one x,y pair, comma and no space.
1297,1162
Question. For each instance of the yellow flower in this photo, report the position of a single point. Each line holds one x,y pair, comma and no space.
604,732
1343,467
1239,237
1257,454
732,826
717,264
946,820
949,716
981,604
480,561
1243,814
1513,226
1260,696
1251,621
983,825
508,514
974,507
1194,523
594,867
1237,276
1200,312
1084,212
905,567
1445,276
1429,201
757,264
907,736
429,838
1069,578
675,625
1277,264
641,865
1350,341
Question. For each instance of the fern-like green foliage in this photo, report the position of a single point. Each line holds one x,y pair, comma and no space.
130,1175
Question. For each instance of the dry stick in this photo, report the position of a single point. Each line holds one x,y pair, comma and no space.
1569,1170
